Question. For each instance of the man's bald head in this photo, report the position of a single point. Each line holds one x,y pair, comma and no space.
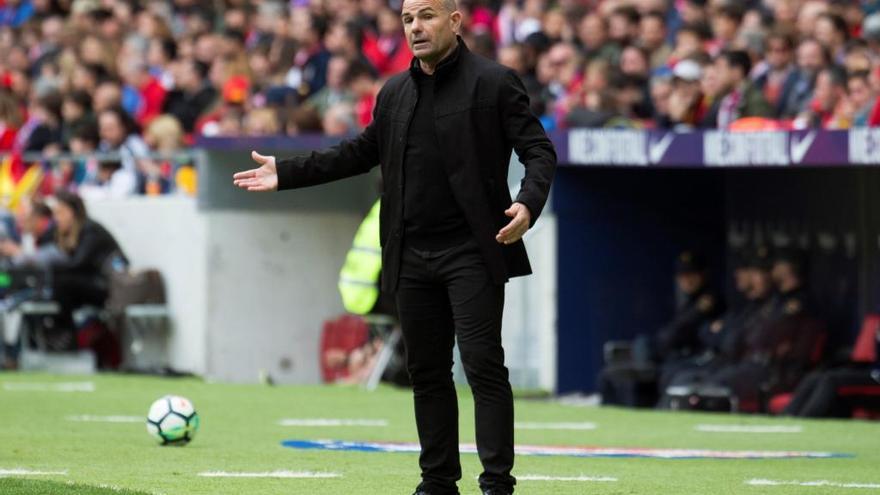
449,6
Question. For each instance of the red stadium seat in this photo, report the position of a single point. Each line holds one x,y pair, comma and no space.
338,339
864,351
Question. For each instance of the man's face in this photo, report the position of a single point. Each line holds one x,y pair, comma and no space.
689,282
826,93
591,31
430,29
859,92
809,57
778,53
652,33
759,284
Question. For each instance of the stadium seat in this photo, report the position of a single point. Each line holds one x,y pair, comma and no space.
36,355
338,338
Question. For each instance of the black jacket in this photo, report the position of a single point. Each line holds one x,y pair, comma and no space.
481,113
96,247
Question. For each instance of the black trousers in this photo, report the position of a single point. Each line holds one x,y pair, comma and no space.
444,295
816,395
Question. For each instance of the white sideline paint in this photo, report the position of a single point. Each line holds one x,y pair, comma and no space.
763,482
28,472
749,428
554,426
49,387
541,477
88,418
269,474
332,422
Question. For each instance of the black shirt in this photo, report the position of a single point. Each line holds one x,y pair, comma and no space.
432,217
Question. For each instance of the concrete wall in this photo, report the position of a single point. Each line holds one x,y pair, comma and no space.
170,234
272,282
247,291
529,324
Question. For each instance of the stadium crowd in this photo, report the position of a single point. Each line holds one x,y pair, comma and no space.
145,78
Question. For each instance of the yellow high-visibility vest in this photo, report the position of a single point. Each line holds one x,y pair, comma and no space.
359,277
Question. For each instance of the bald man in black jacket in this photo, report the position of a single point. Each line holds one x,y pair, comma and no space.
451,234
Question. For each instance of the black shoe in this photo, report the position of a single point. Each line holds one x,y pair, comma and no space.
497,491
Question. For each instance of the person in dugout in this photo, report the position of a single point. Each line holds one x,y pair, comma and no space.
775,346
633,382
724,338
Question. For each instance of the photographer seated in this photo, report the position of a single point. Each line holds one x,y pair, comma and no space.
27,248
33,243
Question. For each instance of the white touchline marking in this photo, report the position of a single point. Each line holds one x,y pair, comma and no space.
541,477
749,428
555,426
28,472
49,387
763,482
332,422
88,418
269,474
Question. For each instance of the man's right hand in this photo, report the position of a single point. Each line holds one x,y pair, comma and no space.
260,179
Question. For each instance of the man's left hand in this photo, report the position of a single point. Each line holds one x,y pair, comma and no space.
517,227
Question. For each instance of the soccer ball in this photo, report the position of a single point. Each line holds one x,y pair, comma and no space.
173,420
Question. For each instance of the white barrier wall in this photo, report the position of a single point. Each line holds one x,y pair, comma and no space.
249,290
170,234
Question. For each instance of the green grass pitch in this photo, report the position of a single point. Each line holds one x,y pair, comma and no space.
240,433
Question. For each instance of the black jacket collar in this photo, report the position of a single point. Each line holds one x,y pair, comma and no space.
445,66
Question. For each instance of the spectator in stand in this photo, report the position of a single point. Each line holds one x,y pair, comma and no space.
192,95
75,109
261,122
592,38
309,72
160,55
10,121
686,108
339,120
304,120
689,41
860,98
361,85
741,97
147,90
108,94
811,58
829,108
335,90
808,15
119,133
344,38
725,26
42,130
623,25
778,74
387,49
694,12
652,38
832,32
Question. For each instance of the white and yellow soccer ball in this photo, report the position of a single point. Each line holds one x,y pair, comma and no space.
173,420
